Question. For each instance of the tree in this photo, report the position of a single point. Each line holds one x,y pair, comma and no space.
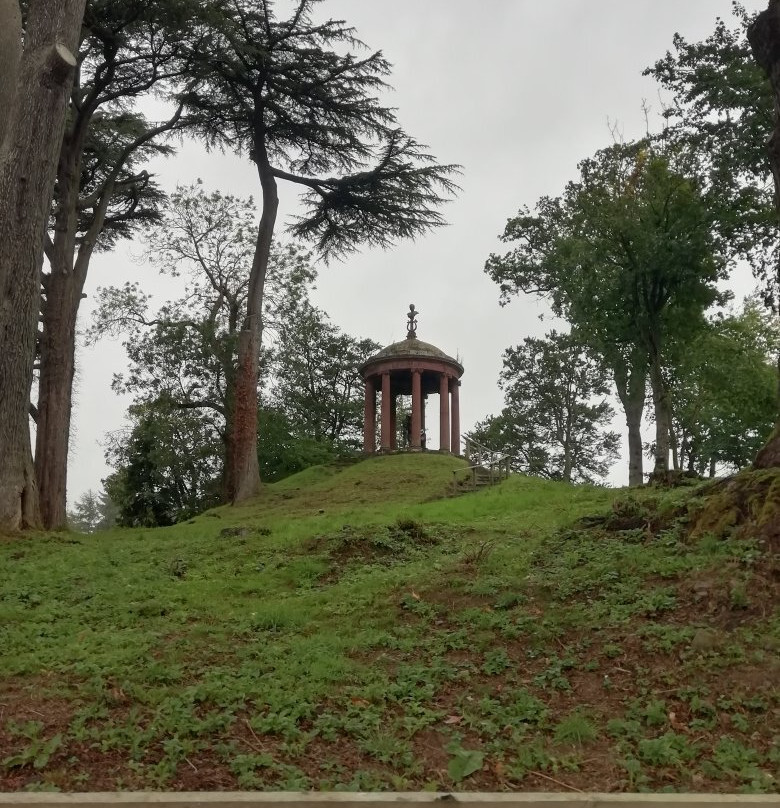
764,37
628,256
723,385
295,97
129,48
186,353
719,115
281,448
37,86
556,416
167,466
722,113
315,379
93,511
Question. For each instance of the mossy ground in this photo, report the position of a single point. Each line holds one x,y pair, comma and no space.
360,629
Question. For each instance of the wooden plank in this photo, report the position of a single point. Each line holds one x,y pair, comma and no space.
128,799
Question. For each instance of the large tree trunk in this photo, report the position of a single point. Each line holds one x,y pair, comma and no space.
630,385
28,164
57,345
55,389
662,418
764,37
10,54
243,471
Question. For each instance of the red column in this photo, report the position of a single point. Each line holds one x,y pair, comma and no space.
455,442
444,413
393,425
369,417
386,430
416,409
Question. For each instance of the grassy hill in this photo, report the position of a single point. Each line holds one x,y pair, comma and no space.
360,628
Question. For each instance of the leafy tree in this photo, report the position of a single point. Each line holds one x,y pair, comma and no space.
627,255
724,387
719,116
186,353
167,465
93,511
722,113
294,95
315,379
128,49
282,450
556,415
35,82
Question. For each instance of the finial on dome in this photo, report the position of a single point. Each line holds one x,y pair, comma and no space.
411,328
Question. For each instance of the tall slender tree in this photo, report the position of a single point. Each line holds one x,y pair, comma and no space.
128,49
184,355
298,97
37,85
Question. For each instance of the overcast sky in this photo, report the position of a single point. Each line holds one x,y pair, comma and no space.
517,92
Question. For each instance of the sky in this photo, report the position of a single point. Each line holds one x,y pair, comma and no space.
515,91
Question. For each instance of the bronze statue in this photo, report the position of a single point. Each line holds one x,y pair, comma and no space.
411,329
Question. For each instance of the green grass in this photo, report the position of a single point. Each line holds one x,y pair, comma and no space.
360,628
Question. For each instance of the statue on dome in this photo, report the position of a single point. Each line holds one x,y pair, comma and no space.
411,328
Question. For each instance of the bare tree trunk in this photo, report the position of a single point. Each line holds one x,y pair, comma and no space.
630,384
57,343
673,443
764,38
55,388
243,471
28,164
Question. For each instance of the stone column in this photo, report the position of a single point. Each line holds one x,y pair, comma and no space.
393,424
385,429
369,417
444,413
455,417
416,410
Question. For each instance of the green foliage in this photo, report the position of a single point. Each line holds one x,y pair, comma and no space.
463,762
281,448
627,254
38,750
316,382
724,385
576,728
719,115
554,423
93,511
184,358
328,635
300,99
167,466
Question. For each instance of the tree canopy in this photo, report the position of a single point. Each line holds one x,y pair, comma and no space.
627,255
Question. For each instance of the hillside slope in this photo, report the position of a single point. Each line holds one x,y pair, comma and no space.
359,628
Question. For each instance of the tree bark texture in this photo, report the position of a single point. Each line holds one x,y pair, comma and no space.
630,384
243,471
28,164
764,38
55,388
63,289
662,412
10,54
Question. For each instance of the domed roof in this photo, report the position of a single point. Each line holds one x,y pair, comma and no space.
411,348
